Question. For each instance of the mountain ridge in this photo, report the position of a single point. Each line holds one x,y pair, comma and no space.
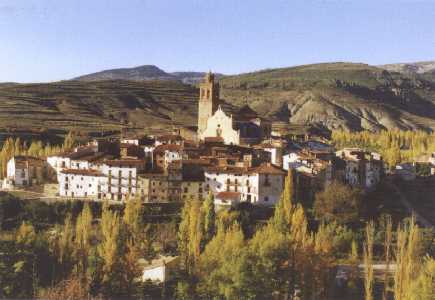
350,96
142,73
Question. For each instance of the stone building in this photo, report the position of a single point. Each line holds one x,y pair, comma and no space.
235,127
363,169
208,101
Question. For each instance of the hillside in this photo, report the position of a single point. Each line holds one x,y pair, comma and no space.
411,68
336,95
143,73
96,106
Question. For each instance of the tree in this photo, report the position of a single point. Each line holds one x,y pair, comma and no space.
222,266
368,261
109,250
209,218
191,234
83,238
338,203
284,208
65,245
69,141
408,259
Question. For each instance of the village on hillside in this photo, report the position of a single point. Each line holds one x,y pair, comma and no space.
237,156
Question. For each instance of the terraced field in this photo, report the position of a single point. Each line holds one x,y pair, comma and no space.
96,106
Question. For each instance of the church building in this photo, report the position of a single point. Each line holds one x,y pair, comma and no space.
217,119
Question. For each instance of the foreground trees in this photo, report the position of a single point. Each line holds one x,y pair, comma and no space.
338,203
282,258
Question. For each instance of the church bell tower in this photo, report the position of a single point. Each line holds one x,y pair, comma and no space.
208,100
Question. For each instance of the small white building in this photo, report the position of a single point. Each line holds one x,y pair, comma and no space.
261,185
25,171
120,178
161,269
80,183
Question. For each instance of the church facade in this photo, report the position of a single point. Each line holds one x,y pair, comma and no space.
234,127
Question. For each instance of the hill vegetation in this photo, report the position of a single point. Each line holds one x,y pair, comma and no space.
333,96
337,96
96,106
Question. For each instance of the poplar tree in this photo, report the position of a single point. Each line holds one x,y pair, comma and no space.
83,238
109,251
408,259
69,141
209,219
368,261
65,244
284,208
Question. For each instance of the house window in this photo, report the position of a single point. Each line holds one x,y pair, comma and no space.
266,199
186,190
266,180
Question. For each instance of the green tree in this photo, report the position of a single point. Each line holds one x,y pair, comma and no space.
338,203
109,250
83,236
209,218
284,208
70,141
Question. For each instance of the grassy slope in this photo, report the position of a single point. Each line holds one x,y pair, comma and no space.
96,105
308,94
363,99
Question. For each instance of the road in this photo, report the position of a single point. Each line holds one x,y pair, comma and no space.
418,217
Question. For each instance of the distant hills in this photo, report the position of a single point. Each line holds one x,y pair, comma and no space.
337,95
146,72
411,68
349,96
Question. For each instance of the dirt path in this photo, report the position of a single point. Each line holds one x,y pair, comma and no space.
404,201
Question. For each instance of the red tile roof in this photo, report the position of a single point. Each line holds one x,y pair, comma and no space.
268,168
83,172
124,162
168,147
228,195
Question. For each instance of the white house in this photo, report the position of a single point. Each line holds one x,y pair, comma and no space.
120,178
161,269
24,171
80,183
261,185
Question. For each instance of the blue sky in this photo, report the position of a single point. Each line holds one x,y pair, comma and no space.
48,40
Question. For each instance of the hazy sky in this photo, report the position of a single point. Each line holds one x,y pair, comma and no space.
47,40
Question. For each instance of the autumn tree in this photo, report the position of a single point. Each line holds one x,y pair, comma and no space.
83,234
208,209
109,250
338,203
